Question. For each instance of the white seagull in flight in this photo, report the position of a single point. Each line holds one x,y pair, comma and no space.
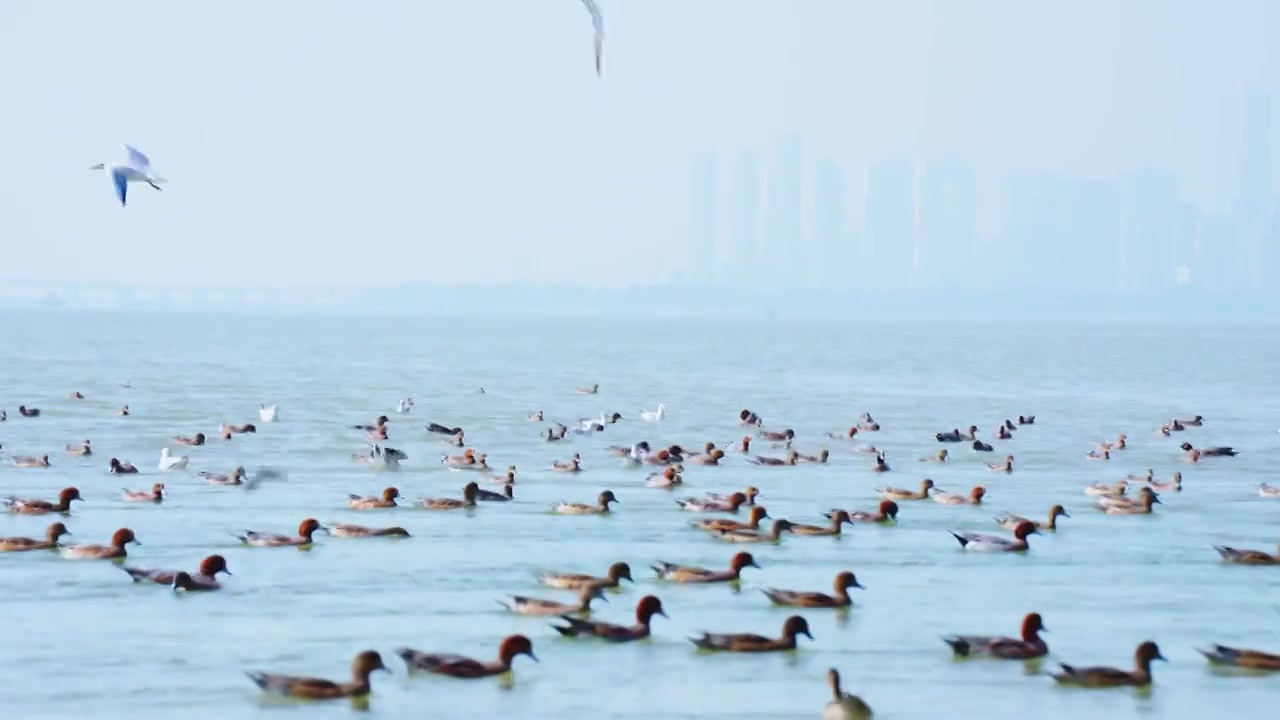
136,167
597,21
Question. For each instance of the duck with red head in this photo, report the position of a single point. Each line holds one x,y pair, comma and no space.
155,495
838,518
717,525
82,449
887,512
197,439
309,688
778,435
207,573
707,504
113,551
618,572
798,598
24,506
692,574
746,642
306,529
386,500
22,544
648,606
1029,646
978,542
460,666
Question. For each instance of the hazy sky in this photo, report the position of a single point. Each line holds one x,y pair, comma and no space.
383,141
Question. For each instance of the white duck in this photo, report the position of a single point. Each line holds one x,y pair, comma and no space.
654,415
405,406
136,167
172,462
268,413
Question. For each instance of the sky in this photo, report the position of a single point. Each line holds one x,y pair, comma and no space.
334,142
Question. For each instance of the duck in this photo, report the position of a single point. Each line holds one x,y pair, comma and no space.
1026,419
197,439
556,434
236,477
851,434
386,500
756,514
23,506
1267,491
778,435
238,429
973,498
123,411
1246,557
28,461
1242,658
378,422
791,459
1196,421
1005,467
185,582
742,446
690,574
1194,454
941,456
710,457
593,390
746,642
76,395
1116,489
437,428
1124,506
113,551
993,543
207,573
1174,483
633,452
710,504
881,465
1011,522
617,572
1119,444
172,462
979,446
755,536
886,512
668,479
654,415
469,493
1140,676
524,605
838,519
507,495
820,458
893,493
459,666
1147,477
1028,647
154,495
268,413
84,448
25,411
949,437
22,544
600,508
1002,433
648,606
746,418
843,582
468,457
752,492
364,665
573,465
535,416
360,531
843,706
1095,455
306,529
121,467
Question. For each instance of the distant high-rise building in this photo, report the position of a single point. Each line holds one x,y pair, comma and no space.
783,247
744,222
890,217
946,222
831,261
703,262
1255,188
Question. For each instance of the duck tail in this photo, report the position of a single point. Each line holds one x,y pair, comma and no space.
959,645
964,541
566,630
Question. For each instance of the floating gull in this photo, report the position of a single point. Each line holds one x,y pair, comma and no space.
136,167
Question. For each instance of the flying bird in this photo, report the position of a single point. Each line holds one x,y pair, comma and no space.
597,21
135,168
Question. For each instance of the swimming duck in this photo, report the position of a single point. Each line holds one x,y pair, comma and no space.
208,572
22,544
633,452
154,495
746,418
377,423
778,435
752,492
593,390
948,437
1196,421
1125,506
1095,455
843,706
893,493
1239,657
851,434
1026,419
387,500
573,465
1140,676
1011,522
25,411
118,467
306,529
77,395
236,429
710,457
1002,433
709,504
648,606
820,458
745,642
755,536
480,463
796,598
1028,647
508,478
742,446
123,411
268,413
83,448
1119,444
1006,466
940,457
319,689
1174,483
618,572
1146,477
440,429
979,446
360,531
886,512
1194,454
460,666
881,465
838,519
507,495
24,506
468,457
114,551
469,493
600,508
668,479
172,462
973,498
757,514
791,459
185,582
694,574
1267,491
1246,557
198,439
28,461
557,433
524,605
535,416
236,477
992,543
1103,490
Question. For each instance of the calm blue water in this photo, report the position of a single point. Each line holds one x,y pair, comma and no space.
84,640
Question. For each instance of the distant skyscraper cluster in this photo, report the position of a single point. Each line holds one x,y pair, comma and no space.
788,222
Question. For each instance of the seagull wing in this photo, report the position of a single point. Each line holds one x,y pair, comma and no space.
121,182
597,18
137,160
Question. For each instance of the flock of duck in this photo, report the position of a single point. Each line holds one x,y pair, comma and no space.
732,517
